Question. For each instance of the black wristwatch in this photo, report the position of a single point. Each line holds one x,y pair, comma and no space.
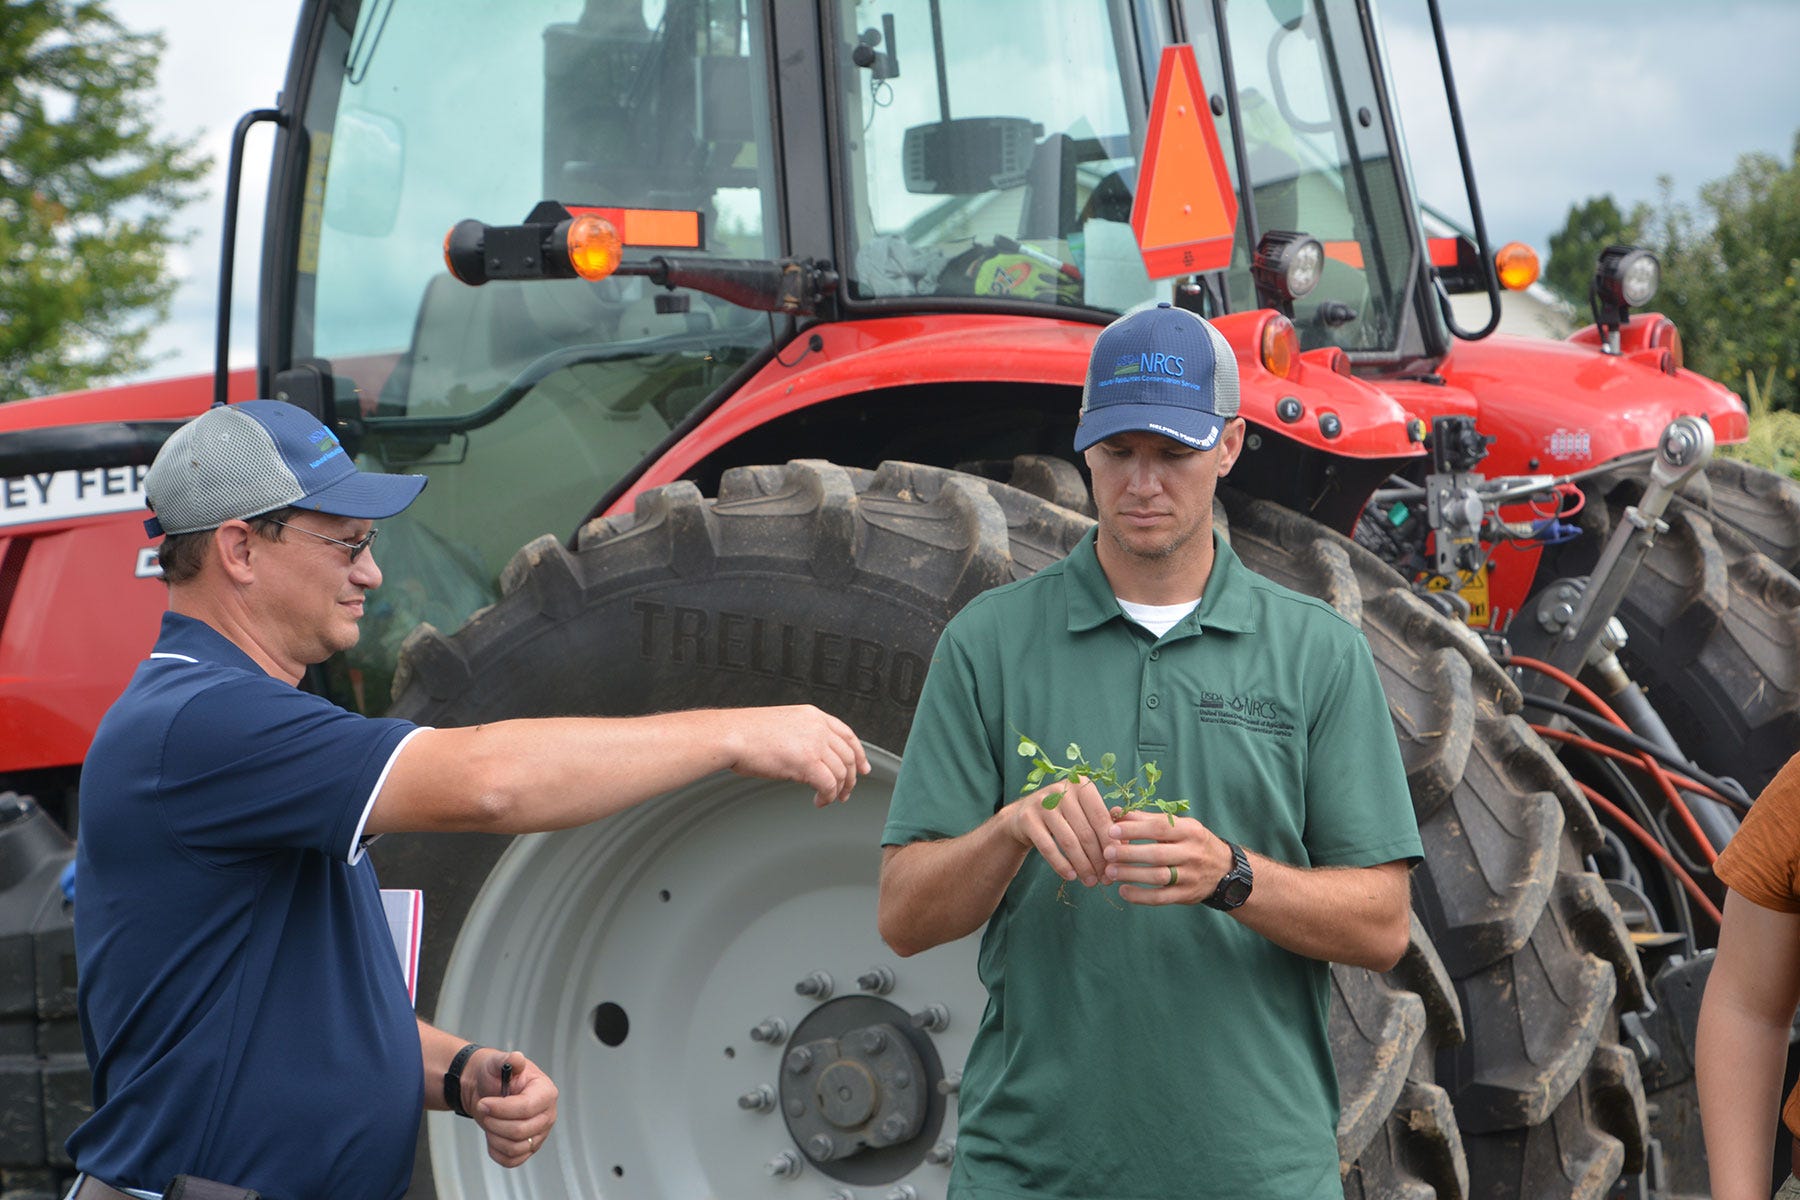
1234,885
453,1079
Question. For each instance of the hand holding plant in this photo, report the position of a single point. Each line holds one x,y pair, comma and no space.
1132,794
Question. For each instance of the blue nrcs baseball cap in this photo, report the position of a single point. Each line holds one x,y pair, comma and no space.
1159,369
242,460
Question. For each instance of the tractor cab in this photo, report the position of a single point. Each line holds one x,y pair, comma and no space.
917,159
936,156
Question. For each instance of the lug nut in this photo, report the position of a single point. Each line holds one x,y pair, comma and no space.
941,1153
820,1145
933,1018
879,980
796,1108
785,1165
904,1191
950,1084
841,1194
817,984
799,1060
771,1030
873,1041
760,1098
893,1127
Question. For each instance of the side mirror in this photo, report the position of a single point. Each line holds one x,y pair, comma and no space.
969,155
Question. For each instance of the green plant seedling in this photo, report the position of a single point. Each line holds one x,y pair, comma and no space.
1135,793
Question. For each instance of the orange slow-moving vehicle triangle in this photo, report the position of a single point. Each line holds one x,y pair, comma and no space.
1185,212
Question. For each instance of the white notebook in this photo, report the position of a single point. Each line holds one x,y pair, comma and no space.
405,908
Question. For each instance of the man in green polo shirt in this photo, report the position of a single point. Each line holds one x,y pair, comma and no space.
1166,1038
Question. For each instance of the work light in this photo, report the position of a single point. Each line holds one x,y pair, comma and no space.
1286,266
1626,277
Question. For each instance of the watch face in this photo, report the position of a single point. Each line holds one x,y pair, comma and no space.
1234,892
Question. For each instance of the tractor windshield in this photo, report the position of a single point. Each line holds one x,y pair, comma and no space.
986,152
523,401
426,114
991,152
1325,161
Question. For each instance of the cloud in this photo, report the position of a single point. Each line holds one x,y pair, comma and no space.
220,60
1565,102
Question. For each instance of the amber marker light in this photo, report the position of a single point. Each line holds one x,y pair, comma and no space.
594,246
1518,266
463,256
1280,346
1666,337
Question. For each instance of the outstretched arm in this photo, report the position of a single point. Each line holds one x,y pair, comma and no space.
530,775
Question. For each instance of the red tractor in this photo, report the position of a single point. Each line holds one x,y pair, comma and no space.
780,368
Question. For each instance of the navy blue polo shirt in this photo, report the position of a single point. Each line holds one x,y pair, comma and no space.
241,999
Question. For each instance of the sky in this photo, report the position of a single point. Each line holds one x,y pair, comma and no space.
1562,100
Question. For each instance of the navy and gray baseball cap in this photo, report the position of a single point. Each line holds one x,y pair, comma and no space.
236,461
1159,369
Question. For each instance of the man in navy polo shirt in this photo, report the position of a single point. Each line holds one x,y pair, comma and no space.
242,1005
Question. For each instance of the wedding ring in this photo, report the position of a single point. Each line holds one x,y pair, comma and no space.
1172,876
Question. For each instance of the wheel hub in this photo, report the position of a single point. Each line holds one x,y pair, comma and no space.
855,1081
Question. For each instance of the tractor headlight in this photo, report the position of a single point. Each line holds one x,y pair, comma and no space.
1627,277
1286,266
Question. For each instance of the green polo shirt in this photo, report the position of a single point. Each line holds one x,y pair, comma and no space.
1143,1053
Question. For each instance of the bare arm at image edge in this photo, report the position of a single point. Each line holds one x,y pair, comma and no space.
1741,1048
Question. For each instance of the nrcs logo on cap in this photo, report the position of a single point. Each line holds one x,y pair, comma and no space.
1148,363
1159,369
322,440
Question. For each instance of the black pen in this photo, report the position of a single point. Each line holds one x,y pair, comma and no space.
505,1078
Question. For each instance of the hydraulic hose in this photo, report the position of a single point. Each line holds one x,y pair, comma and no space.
1631,747
1650,843
1677,805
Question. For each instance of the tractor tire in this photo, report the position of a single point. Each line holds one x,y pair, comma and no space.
1713,622
1522,962
651,962
1713,616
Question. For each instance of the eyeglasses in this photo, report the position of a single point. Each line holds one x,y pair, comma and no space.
355,548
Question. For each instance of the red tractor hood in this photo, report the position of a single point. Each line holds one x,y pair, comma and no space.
1557,407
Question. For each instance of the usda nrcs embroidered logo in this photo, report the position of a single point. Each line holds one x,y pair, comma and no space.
1150,362
325,444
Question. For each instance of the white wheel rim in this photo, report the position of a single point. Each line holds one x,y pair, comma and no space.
762,890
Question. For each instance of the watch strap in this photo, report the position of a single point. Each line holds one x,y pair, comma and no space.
453,1079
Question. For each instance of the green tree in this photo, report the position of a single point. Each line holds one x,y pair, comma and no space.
1730,269
1731,265
1591,227
87,192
